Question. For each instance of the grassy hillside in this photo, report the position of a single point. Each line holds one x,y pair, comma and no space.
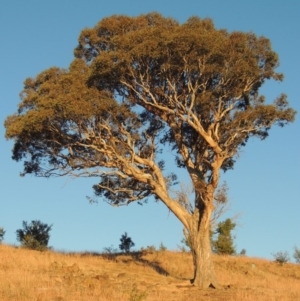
163,276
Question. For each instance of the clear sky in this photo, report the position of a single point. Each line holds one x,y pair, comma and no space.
264,186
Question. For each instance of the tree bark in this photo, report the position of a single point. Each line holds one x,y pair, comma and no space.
204,272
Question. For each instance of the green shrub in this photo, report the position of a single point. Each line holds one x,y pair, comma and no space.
34,236
126,243
223,244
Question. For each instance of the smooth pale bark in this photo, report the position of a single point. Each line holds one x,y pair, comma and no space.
204,273
199,231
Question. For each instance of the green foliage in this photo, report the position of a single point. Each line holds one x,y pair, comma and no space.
223,244
296,254
30,242
2,232
281,257
126,243
34,236
198,87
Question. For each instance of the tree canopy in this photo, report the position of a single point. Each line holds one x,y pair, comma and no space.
141,84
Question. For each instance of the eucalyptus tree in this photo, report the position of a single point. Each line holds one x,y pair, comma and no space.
138,86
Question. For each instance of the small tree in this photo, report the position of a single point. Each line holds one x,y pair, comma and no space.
281,257
2,232
296,254
224,242
126,243
34,236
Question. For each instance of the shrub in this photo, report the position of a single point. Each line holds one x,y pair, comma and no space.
34,236
151,248
162,247
243,252
224,242
126,243
110,253
296,254
2,232
110,250
281,257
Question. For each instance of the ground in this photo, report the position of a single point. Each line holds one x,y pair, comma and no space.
56,276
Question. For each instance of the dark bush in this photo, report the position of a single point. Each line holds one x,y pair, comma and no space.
126,243
34,236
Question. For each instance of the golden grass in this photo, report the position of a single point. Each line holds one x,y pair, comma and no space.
162,276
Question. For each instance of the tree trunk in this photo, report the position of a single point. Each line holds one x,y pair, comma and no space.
204,272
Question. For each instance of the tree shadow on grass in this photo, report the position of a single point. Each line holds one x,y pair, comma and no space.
130,257
137,256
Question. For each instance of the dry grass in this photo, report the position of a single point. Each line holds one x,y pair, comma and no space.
35,276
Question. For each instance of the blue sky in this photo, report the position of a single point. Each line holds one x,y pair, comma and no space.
264,186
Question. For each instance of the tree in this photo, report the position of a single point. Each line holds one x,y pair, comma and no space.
2,232
126,243
34,236
137,86
224,242
296,254
281,257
